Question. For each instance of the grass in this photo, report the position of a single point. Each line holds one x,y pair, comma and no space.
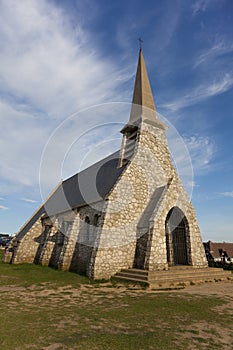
41,306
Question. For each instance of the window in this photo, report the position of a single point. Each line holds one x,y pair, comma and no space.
87,228
96,219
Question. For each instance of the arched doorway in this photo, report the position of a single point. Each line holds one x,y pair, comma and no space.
177,236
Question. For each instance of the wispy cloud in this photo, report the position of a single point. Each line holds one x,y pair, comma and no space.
202,5
192,155
28,200
201,150
227,194
192,184
75,144
48,70
210,54
194,151
41,54
202,92
2,207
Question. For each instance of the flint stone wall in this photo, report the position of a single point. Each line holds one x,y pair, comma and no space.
131,222
150,168
67,249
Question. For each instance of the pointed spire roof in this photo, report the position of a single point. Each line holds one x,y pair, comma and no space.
142,90
143,107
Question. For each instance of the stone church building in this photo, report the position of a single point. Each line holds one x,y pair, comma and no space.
129,210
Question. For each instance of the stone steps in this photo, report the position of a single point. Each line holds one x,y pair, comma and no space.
132,277
173,277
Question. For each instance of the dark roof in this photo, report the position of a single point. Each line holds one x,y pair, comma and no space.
217,249
89,186
23,230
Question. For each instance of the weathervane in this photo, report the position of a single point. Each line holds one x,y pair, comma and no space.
140,42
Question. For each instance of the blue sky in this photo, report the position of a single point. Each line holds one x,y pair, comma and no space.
60,57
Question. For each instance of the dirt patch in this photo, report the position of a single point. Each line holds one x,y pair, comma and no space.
203,336
93,293
221,289
55,346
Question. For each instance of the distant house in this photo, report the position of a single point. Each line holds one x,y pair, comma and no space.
219,251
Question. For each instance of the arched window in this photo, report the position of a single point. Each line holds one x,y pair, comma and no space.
96,219
87,220
87,228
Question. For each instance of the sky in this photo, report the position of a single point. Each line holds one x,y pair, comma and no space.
67,71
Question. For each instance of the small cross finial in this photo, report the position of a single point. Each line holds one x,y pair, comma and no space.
140,42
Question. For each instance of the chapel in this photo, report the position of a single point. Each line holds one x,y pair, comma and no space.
127,211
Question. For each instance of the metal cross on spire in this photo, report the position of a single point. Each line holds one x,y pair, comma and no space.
140,42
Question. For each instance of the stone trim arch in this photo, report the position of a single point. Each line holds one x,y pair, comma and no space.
177,238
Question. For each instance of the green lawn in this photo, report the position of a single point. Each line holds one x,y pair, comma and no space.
46,309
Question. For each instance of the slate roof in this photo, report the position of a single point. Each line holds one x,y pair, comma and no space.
89,186
94,183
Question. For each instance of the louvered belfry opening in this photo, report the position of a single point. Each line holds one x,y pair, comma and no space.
177,234
128,144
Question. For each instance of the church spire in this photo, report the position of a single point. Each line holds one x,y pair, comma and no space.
143,107
142,112
142,90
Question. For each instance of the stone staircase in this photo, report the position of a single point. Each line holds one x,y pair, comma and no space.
174,277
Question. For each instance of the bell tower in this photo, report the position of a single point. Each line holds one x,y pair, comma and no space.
142,110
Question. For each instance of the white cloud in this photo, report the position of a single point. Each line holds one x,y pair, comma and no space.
202,92
199,5
21,143
195,152
191,155
47,63
75,145
227,194
48,70
2,207
192,184
28,200
203,5
201,151
210,54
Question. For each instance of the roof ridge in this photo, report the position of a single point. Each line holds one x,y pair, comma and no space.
92,165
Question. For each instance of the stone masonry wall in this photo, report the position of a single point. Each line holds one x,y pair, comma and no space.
84,240
100,249
59,247
75,249
25,250
176,197
128,200
150,168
